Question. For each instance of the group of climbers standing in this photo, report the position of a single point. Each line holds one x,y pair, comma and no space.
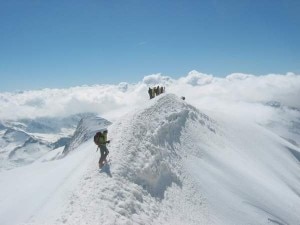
155,91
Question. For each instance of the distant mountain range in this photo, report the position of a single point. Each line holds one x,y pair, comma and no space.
26,140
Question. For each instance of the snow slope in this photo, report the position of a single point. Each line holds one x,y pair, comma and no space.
169,164
39,191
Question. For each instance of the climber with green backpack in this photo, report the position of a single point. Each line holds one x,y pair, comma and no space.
100,140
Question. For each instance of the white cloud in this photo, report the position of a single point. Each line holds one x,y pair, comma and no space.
195,78
238,76
237,94
157,79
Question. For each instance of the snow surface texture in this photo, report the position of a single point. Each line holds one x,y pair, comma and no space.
169,163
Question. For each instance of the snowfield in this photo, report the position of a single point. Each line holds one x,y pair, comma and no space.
169,163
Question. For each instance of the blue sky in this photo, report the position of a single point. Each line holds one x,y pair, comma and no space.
61,43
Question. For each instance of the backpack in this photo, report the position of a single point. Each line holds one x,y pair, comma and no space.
97,138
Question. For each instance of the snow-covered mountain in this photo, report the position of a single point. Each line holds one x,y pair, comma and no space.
86,129
25,140
169,163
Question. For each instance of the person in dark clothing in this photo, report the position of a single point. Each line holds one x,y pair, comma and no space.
157,91
154,92
161,89
103,149
150,92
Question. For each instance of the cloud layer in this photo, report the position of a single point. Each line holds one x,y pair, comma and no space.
235,94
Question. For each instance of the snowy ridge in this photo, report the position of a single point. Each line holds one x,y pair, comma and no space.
86,129
145,177
152,142
172,164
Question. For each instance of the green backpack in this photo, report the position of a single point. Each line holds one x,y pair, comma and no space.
99,138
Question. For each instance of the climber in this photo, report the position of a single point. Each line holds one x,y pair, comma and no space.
100,139
150,92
